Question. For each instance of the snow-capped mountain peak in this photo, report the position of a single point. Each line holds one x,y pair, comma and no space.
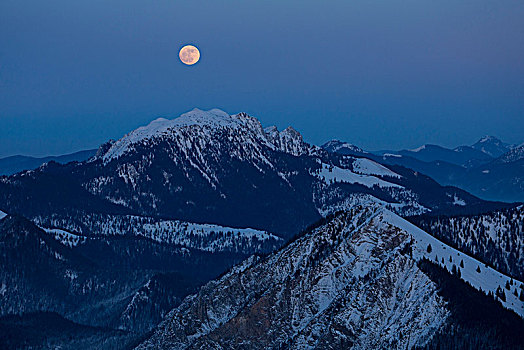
491,146
337,146
488,138
214,118
210,123
288,140
207,122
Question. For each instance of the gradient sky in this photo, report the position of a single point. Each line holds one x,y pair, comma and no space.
380,74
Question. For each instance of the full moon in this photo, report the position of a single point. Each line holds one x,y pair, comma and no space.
189,55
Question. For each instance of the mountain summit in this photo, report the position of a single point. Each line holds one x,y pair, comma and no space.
337,146
491,146
211,126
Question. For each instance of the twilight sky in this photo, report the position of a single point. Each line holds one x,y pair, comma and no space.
380,74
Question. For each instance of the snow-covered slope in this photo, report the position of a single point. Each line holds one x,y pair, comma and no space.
487,279
407,208
204,237
212,167
368,167
330,173
513,155
496,238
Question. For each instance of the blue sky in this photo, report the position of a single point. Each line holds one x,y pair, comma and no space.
380,74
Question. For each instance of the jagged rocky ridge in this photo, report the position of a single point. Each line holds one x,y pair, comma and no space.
352,282
344,284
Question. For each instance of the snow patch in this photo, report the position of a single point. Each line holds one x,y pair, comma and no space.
418,149
66,238
368,167
330,173
458,201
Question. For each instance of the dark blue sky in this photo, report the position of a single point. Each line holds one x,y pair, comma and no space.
380,74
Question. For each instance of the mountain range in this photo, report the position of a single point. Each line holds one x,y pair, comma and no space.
240,236
14,164
489,169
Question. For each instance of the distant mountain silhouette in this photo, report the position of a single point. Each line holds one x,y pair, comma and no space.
14,164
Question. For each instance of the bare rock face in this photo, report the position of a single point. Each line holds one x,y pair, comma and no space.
350,283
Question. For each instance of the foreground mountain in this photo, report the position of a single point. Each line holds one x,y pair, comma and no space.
14,164
352,282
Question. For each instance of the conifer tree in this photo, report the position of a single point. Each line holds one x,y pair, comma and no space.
500,294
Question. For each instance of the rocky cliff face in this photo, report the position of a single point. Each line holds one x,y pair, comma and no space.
351,282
